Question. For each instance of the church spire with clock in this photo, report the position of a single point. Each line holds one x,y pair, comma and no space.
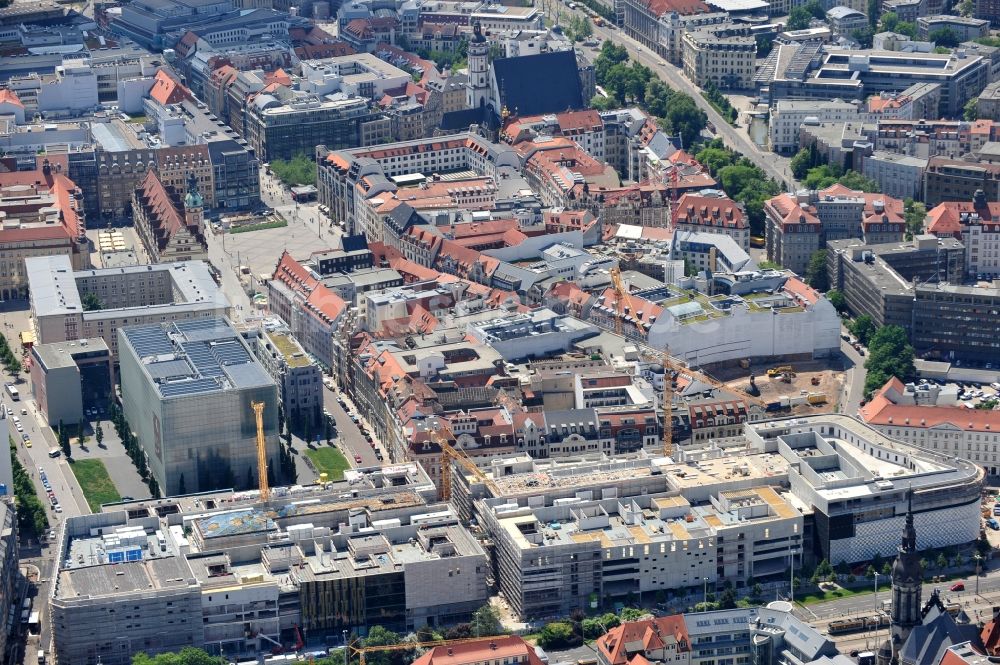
907,577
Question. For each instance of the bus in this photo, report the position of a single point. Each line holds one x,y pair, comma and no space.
12,391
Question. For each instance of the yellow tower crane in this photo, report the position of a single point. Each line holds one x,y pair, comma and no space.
265,489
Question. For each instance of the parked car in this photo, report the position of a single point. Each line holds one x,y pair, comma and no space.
357,459
957,586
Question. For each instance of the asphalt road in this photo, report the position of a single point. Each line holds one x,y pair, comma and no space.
734,137
854,379
349,438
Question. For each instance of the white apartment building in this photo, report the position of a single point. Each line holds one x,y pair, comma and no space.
788,115
899,176
972,434
722,55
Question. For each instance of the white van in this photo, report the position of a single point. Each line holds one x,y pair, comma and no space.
54,452
41,657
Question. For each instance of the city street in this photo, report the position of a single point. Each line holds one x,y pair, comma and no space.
734,137
854,379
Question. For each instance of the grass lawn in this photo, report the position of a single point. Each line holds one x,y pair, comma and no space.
823,596
95,483
330,460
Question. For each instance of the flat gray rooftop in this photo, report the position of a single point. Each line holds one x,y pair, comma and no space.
195,356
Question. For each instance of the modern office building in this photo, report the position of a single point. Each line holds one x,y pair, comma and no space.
71,305
918,287
570,531
69,378
226,573
187,391
804,71
280,129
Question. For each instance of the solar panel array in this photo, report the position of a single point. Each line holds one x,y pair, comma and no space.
149,341
192,387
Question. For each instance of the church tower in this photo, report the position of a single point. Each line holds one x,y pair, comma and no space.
194,204
907,577
477,90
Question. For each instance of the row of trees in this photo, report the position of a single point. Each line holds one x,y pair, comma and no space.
626,82
31,517
720,102
134,450
741,179
9,359
579,28
889,354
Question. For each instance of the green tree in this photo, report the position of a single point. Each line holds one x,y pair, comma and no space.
863,36
757,590
99,434
889,22
657,96
886,569
965,7
602,103
945,36
91,302
798,18
854,180
816,273
714,159
299,170
62,436
914,213
970,111
941,561
889,354
870,572
684,118
727,601
907,28
863,328
837,299
631,614
486,621
81,432
378,636
186,656
558,635
769,265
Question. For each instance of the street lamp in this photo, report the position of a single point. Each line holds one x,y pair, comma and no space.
705,580
978,559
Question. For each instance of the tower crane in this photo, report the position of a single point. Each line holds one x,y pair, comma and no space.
451,454
265,489
669,365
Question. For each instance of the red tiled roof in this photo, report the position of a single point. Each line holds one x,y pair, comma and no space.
618,645
9,97
882,411
806,293
946,218
682,7
326,302
166,90
499,649
163,210
710,211
991,637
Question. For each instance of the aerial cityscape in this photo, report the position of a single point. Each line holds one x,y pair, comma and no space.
500,332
